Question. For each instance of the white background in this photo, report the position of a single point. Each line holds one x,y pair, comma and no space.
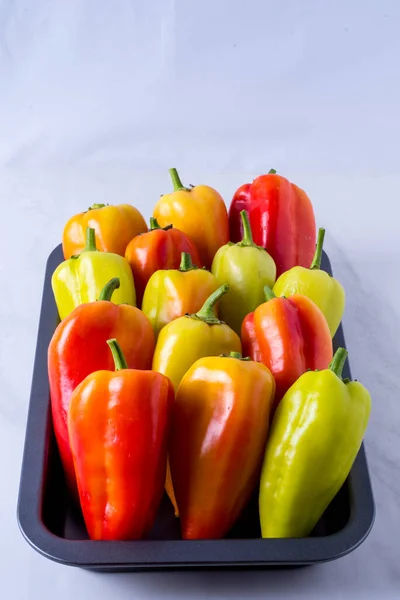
97,100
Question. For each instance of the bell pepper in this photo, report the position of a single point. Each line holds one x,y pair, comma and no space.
175,292
246,268
281,218
293,336
219,430
200,212
160,248
81,278
118,425
324,290
188,338
78,348
315,436
115,226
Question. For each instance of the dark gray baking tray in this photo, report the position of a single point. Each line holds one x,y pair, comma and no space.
54,528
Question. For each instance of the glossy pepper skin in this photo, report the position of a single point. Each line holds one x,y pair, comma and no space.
173,293
118,425
219,430
198,211
247,269
191,337
315,436
185,340
292,336
115,226
78,348
80,279
281,218
160,248
322,288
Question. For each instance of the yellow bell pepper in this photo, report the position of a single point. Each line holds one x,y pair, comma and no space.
81,278
327,293
173,293
191,337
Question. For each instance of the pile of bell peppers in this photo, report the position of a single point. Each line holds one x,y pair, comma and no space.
195,356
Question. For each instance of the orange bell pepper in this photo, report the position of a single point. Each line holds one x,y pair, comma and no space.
115,226
118,425
198,211
292,336
219,430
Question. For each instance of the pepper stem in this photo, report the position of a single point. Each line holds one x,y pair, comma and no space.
271,172
90,245
109,288
316,261
208,310
118,356
337,363
154,224
96,206
186,262
235,355
268,294
247,234
176,181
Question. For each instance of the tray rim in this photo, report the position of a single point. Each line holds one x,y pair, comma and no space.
164,554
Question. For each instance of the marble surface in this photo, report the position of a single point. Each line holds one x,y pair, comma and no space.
98,99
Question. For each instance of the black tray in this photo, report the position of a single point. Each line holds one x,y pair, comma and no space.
55,529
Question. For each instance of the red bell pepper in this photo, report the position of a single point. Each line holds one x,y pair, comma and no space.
291,336
160,248
281,219
118,429
78,348
250,344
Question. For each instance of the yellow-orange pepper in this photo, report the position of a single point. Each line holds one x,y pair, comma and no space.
115,226
200,212
173,293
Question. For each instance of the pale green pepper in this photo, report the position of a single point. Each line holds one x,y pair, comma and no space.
319,286
247,269
315,436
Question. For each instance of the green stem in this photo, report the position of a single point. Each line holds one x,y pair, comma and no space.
316,261
268,294
247,234
337,363
207,312
176,181
118,356
186,262
155,225
90,245
109,288
271,172
95,206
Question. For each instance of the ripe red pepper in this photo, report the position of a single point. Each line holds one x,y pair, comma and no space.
250,344
289,336
78,348
160,248
281,219
118,426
